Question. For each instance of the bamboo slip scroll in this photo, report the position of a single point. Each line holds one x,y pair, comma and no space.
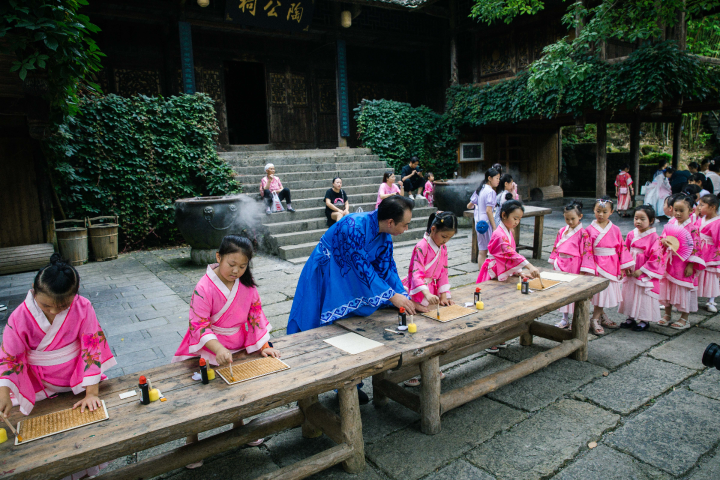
57,422
242,372
535,284
450,313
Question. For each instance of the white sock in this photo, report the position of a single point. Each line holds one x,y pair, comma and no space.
711,300
566,316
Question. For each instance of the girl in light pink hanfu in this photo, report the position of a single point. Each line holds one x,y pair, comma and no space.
568,251
53,343
678,288
624,189
430,189
427,280
225,314
503,261
607,257
641,285
709,279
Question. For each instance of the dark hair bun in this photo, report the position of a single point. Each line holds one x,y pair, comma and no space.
56,258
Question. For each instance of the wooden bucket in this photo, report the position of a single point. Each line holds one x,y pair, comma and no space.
72,241
104,237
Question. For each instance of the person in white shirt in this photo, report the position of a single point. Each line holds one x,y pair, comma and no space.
713,176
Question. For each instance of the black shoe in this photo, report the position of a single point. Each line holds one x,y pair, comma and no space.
629,323
363,397
290,209
641,327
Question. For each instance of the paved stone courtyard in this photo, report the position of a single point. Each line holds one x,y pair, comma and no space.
644,398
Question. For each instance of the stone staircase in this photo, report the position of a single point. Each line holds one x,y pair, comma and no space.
711,122
308,174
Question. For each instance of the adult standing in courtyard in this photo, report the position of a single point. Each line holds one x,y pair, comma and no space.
270,185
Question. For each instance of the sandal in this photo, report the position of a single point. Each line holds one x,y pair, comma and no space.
641,327
665,321
415,382
678,326
502,345
192,466
493,349
595,327
606,322
563,324
256,443
629,323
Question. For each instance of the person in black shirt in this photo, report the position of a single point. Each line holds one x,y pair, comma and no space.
412,178
336,202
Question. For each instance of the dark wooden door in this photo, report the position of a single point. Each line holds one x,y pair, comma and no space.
291,122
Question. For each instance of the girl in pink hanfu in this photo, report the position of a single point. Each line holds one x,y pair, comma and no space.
427,280
53,343
641,285
709,278
568,251
430,189
225,314
624,189
605,256
678,287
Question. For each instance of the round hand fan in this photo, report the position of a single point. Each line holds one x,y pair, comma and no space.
680,240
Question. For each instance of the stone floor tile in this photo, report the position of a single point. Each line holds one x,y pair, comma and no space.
140,367
238,464
708,469
545,386
462,428
707,384
621,346
460,470
635,384
713,323
673,433
469,371
686,349
119,329
135,358
540,445
604,463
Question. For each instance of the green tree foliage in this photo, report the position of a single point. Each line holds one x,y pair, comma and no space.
51,37
396,131
703,36
133,157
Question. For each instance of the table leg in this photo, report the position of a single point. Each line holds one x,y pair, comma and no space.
351,426
308,429
474,247
580,327
538,236
379,400
430,396
526,339
516,234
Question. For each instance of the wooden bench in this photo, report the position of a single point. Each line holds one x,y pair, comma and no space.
530,211
507,314
191,407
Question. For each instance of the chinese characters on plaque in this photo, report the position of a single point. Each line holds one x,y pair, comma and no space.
274,14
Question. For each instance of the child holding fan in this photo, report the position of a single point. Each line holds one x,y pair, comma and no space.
641,286
568,250
709,278
605,257
427,281
678,287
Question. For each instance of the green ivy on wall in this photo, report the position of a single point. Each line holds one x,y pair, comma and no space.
397,131
133,157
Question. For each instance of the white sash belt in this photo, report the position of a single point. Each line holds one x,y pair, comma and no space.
564,255
225,332
54,357
707,239
604,252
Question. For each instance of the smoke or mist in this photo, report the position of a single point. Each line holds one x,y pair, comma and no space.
251,211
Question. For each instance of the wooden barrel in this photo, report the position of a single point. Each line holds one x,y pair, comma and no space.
72,241
25,259
104,237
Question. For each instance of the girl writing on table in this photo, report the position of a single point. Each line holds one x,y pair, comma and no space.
53,343
503,261
226,314
427,280
605,256
567,253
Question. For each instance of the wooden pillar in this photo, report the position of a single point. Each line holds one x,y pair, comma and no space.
453,45
379,399
635,155
343,102
580,327
476,69
308,429
186,59
601,159
677,131
430,396
351,427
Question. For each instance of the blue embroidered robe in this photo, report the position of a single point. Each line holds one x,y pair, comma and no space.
350,272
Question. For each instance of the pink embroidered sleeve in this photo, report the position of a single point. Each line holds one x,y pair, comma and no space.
695,258
626,258
417,271
95,354
444,281
588,260
200,313
554,253
654,266
14,370
257,325
505,255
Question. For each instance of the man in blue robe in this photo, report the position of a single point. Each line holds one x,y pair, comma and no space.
352,270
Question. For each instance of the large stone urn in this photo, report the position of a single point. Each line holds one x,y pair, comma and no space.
205,221
454,195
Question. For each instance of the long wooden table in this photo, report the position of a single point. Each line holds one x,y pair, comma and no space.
530,211
191,407
507,314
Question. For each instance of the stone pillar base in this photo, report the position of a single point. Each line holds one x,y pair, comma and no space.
203,256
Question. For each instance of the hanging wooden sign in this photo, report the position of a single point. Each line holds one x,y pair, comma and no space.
272,14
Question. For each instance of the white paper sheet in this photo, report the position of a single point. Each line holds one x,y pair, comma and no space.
353,343
559,277
127,394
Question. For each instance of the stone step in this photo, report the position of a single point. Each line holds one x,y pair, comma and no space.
327,176
297,238
320,168
248,148
320,222
369,198
298,253
313,182
305,193
319,212
288,157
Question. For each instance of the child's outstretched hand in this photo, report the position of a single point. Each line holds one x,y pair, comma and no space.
637,273
223,356
534,272
91,402
431,299
5,401
689,270
444,301
270,352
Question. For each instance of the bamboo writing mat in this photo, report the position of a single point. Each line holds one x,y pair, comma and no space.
450,313
535,284
57,422
245,371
